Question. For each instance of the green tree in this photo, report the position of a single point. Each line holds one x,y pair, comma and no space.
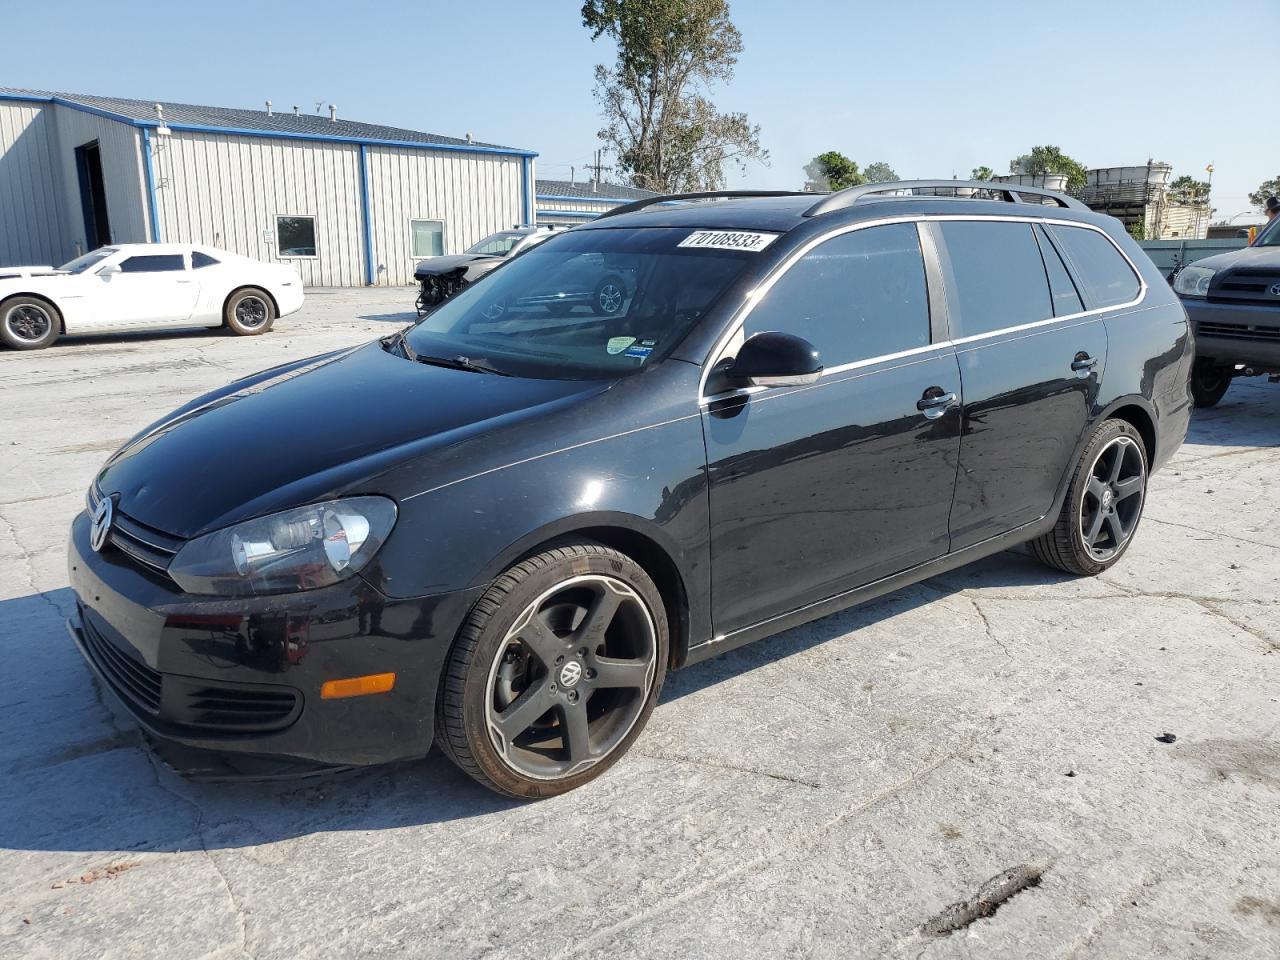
660,123
879,172
832,171
1050,159
1187,189
1269,188
982,173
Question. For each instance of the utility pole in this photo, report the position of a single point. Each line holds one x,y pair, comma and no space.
597,169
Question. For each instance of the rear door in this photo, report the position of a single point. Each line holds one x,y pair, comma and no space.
816,490
151,289
1031,359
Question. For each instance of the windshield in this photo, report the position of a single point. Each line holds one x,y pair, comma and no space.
81,264
1270,235
497,244
583,305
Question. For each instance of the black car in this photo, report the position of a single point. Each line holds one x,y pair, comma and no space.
497,533
1233,300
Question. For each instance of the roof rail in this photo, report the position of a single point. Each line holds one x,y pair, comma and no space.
706,195
1009,192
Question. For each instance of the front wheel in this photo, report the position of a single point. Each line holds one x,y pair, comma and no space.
1103,506
28,323
555,671
1209,381
249,312
608,296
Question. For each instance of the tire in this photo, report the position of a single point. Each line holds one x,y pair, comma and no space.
249,312
608,296
1209,381
1104,504
29,323
517,693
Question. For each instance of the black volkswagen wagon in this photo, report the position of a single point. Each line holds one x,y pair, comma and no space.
497,530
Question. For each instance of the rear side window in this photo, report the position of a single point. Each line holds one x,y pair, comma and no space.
1066,299
856,296
999,276
199,260
153,263
1107,277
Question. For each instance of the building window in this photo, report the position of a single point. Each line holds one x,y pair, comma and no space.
296,236
426,237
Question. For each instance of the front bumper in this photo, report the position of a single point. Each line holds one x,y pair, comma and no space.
1237,332
244,675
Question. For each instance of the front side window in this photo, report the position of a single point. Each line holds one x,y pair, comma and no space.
1107,277
582,305
153,263
999,276
296,236
426,237
856,296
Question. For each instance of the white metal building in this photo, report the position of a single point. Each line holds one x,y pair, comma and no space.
565,203
346,203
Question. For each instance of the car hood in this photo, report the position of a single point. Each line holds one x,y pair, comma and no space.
14,273
307,431
435,266
1248,257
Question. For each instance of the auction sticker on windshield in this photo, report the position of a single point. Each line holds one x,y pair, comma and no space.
728,240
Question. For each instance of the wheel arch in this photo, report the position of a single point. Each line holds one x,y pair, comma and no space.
43,298
1136,411
262,288
642,541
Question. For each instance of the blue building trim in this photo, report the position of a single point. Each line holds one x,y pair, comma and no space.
526,188
149,174
591,199
369,276
272,134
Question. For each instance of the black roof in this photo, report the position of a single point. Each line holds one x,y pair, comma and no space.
234,118
602,191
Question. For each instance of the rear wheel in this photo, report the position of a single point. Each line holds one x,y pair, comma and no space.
555,672
1103,506
28,323
1209,381
249,312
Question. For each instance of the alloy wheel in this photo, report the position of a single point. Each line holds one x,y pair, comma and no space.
1112,503
28,322
251,312
571,677
610,298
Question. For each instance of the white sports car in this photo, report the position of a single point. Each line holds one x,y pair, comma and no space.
139,286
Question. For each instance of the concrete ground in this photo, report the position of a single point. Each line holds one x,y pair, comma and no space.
829,792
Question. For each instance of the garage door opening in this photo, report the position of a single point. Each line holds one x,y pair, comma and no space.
93,195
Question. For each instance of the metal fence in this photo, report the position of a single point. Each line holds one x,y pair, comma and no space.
1164,252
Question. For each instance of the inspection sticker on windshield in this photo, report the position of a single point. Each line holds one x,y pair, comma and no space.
728,240
617,344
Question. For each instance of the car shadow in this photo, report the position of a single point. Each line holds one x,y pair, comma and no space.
405,317
77,776
1248,416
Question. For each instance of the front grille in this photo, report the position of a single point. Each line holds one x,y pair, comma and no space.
234,708
1239,331
147,547
131,678
1246,285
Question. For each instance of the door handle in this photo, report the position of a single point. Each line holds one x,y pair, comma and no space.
935,403
1083,361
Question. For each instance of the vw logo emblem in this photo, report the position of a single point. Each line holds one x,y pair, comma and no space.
100,525
1275,290
570,673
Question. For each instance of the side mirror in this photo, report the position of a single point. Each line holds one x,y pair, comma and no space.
110,270
776,360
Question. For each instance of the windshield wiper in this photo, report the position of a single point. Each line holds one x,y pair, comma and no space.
461,363
398,341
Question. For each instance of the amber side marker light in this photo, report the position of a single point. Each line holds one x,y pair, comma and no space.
357,686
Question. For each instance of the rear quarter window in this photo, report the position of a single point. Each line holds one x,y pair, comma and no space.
1107,277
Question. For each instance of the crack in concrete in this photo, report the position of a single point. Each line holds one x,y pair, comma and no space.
982,615
788,849
696,762
1210,605
28,561
1212,533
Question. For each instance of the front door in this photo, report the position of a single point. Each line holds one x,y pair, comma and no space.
151,289
1030,358
816,490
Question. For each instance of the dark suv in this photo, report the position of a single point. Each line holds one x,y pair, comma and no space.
498,529
1233,300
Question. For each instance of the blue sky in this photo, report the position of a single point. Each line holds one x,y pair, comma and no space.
933,88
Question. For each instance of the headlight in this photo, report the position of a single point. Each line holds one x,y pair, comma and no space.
295,550
1193,281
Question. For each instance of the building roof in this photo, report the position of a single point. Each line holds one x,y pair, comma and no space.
307,126
583,191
